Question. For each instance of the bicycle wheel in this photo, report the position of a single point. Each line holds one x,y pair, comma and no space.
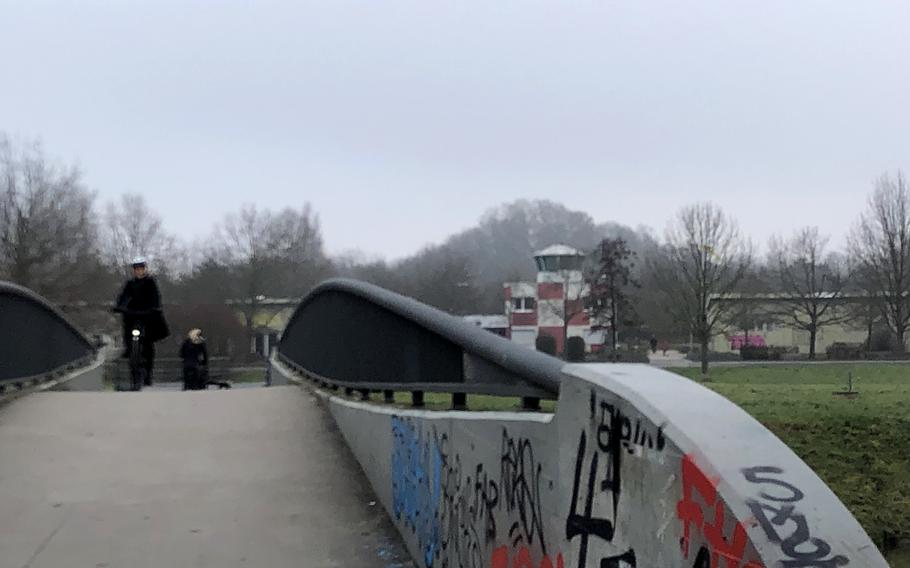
137,377
137,370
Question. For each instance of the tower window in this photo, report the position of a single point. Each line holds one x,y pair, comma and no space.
524,304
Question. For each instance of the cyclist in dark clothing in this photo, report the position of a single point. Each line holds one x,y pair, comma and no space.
140,304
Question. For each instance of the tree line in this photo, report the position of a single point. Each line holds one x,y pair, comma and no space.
710,279
56,239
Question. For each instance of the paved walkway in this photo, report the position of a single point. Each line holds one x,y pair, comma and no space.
669,359
220,479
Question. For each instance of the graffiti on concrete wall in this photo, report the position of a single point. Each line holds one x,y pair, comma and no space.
776,511
520,484
520,557
597,484
704,515
416,482
495,506
467,515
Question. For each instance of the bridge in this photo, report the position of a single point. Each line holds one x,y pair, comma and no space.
635,467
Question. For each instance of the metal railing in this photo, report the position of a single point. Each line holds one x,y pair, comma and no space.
362,338
36,339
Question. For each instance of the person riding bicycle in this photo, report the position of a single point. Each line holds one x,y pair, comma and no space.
140,304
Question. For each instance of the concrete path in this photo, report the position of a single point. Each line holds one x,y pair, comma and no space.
176,386
669,359
220,479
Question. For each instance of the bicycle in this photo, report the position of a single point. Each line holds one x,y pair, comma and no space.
138,370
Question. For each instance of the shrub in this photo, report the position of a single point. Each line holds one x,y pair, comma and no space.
845,351
713,356
753,353
575,349
882,340
621,356
762,353
546,343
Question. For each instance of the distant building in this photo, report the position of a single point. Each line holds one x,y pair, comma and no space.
541,307
494,323
773,324
269,317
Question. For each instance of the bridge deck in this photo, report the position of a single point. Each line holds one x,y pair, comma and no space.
252,477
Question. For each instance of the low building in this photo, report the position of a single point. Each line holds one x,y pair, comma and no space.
267,317
773,326
494,323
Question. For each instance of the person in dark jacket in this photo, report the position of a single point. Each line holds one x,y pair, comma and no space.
140,304
195,361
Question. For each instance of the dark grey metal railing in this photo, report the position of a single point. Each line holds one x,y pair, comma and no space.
357,336
36,340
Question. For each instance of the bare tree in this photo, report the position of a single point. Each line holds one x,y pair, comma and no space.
48,234
295,238
269,254
706,259
864,309
811,282
880,243
244,244
131,228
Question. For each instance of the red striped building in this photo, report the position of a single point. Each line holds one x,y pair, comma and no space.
542,307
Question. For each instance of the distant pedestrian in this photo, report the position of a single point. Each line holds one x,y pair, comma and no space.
653,343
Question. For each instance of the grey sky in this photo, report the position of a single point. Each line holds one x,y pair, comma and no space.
403,121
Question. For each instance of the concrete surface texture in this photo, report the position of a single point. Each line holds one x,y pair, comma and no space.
638,467
255,477
90,378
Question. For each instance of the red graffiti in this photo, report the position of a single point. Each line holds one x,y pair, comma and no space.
691,513
522,559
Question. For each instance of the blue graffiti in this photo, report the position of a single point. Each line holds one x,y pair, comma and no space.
416,487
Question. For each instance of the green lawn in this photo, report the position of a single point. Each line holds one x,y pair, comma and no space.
860,447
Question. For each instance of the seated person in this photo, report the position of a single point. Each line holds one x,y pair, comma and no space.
195,361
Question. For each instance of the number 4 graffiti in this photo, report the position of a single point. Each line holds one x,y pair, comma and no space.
585,525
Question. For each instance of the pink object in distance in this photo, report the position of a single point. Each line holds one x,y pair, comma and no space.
737,341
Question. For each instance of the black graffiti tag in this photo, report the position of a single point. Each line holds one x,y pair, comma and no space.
585,525
520,484
776,510
610,440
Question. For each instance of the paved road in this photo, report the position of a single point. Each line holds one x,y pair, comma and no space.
220,479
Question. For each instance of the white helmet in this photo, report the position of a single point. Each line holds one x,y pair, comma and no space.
139,261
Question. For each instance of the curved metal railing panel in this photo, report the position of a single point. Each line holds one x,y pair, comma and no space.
36,339
357,335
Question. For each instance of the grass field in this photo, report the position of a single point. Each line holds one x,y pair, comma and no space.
859,447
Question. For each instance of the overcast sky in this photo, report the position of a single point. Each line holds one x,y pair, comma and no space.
403,121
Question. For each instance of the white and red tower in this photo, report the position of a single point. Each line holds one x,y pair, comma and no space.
542,307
